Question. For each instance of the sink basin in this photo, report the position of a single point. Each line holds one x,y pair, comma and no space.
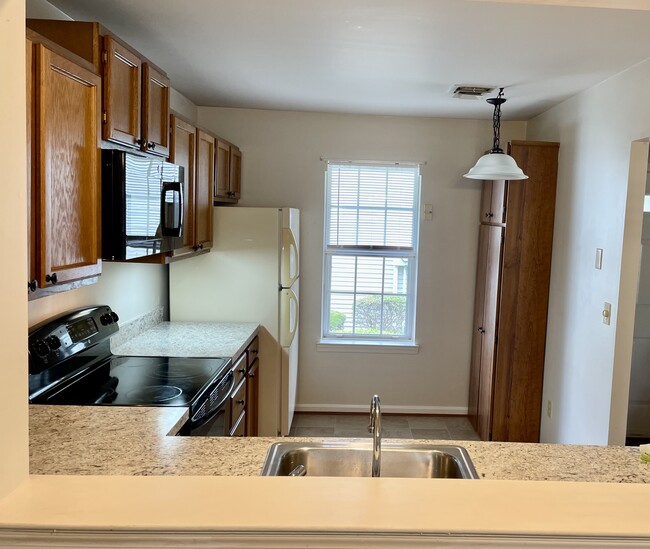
353,459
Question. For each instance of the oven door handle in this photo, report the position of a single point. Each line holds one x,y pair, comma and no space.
217,408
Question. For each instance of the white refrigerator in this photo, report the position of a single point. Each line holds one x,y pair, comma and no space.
251,275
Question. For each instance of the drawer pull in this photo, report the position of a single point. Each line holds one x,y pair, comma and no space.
241,402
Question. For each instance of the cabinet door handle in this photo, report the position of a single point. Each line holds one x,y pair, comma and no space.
242,370
489,214
151,145
140,142
251,376
481,330
32,285
241,402
51,278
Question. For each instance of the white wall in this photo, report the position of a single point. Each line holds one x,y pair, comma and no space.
282,167
13,235
587,363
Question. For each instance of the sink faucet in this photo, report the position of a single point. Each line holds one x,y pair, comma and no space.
375,428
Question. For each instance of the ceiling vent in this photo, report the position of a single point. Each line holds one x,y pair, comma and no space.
470,92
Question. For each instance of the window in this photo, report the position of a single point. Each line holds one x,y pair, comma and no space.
370,252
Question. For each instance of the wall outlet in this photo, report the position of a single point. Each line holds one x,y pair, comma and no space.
549,409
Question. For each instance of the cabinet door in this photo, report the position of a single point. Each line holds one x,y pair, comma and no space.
121,94
155,111
479,314
493,202
252,397
222,176
183,153
67,185
492,242
235,173
31,216
204,186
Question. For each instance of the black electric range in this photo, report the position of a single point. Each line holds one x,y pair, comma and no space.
70,363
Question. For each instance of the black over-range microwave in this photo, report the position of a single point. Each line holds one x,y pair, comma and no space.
142,205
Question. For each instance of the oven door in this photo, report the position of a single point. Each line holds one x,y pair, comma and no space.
210,417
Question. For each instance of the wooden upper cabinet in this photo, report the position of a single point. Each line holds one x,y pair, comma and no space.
235,172
32,283
121,114
183,152
205,157
67,177
155,110
222,178
227,187
135,107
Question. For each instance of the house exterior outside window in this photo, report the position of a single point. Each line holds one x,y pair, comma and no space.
370,252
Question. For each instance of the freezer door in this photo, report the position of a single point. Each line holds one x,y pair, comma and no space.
290,251
290,268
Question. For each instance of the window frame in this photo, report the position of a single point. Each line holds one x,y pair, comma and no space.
411,253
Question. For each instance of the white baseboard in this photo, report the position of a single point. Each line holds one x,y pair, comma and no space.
385,408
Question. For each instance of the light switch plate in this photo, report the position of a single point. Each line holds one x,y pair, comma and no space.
599,258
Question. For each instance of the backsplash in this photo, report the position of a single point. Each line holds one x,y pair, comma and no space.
137,326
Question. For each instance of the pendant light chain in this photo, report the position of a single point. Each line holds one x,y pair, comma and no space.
496,122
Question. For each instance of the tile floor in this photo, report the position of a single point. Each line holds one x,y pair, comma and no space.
356,425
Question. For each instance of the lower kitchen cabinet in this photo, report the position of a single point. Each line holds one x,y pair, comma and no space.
245,395
65,169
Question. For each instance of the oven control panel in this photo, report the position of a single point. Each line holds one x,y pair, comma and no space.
60,338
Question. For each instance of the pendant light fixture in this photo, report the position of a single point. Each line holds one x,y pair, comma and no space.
496,164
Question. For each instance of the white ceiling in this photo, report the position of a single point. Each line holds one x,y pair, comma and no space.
394,57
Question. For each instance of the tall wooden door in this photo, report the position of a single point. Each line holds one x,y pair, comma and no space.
183,153
491,239
204,186
68,179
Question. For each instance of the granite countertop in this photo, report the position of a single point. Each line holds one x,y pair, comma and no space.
190,339
114,440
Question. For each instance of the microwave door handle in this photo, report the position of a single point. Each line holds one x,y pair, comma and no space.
174,227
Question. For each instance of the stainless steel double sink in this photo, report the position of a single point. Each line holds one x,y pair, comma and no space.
354,459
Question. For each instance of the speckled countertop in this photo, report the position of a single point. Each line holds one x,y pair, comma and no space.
116,440
190,339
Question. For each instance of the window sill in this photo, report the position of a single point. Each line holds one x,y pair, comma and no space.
352,346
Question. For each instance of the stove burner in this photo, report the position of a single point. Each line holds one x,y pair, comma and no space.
154,394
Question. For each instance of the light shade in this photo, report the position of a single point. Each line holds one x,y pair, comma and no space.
496,166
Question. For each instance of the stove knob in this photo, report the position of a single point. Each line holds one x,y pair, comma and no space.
41,348
105,319
114,316
53,343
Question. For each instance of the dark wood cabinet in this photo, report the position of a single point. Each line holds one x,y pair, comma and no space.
511,300
245,395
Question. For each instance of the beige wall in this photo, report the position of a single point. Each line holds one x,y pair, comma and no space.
587,362
13,235
282,167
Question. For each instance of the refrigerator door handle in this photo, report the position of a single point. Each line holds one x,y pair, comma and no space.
290,268
288,317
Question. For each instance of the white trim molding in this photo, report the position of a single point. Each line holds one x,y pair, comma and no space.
385,408
352,346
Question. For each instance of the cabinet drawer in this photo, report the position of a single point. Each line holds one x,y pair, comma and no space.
239,429
252,351
238,400
239,368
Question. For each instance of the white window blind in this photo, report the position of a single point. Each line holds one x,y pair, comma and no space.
370,251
